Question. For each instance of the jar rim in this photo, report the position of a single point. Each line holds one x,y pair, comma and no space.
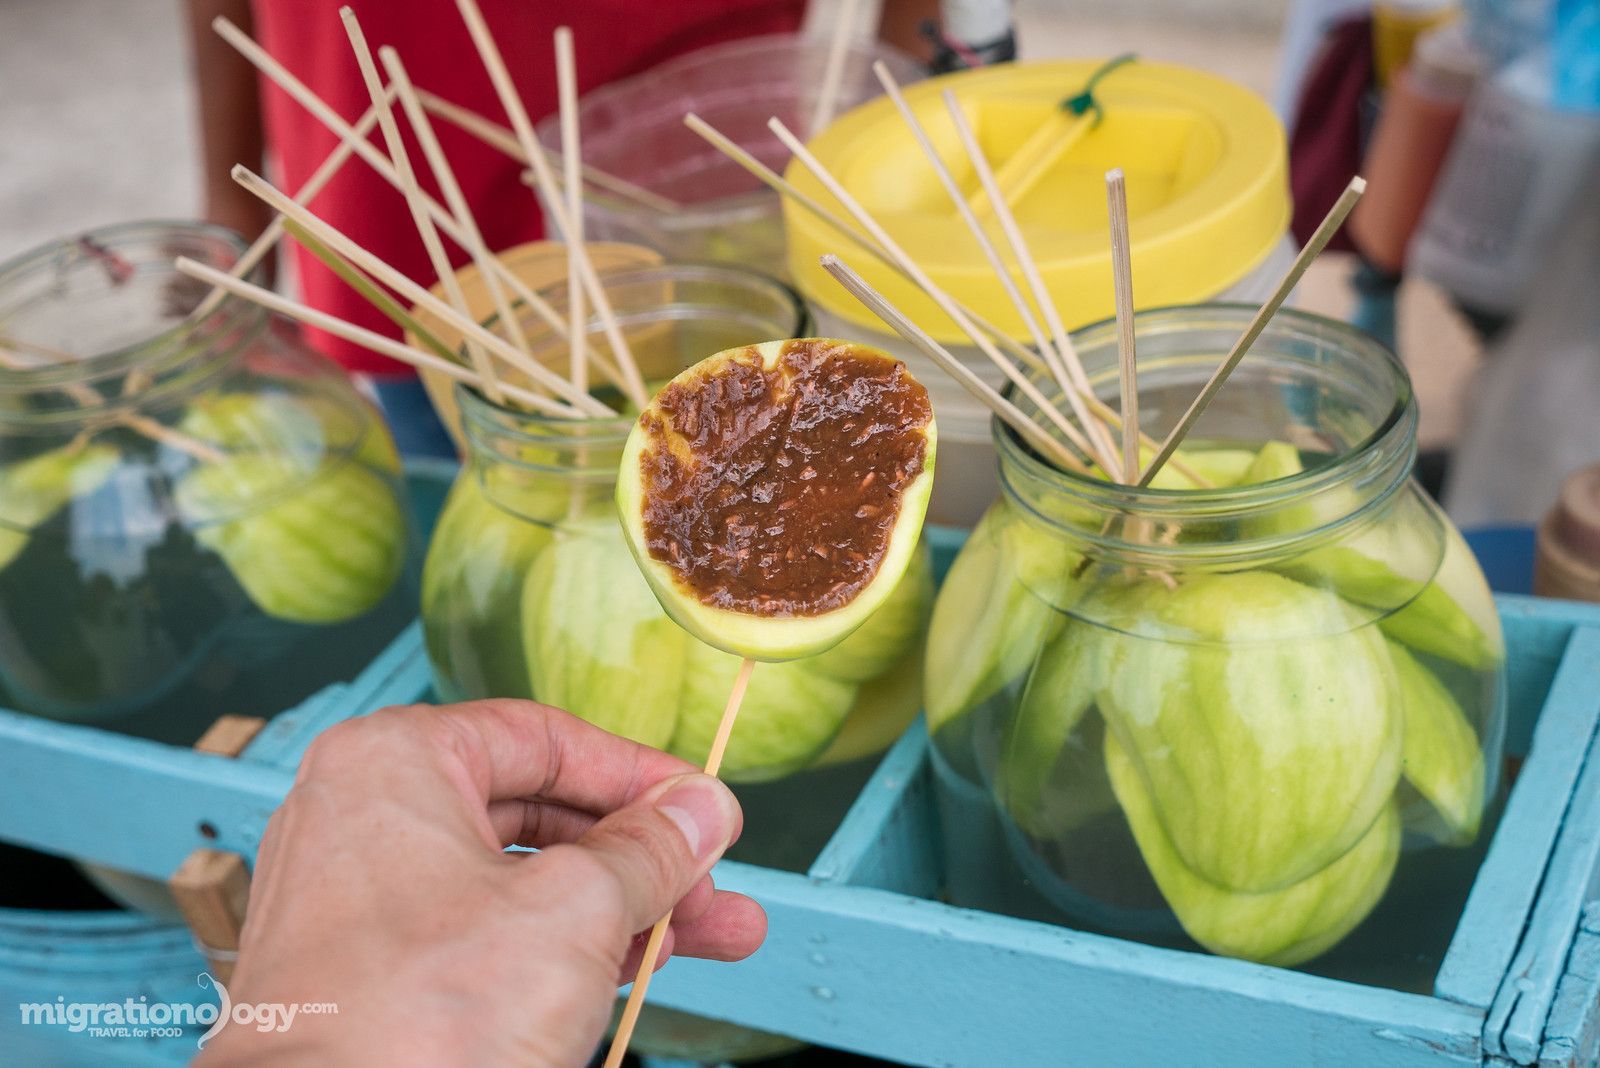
1390,443
174,340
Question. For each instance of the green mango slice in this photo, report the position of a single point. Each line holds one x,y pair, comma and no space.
310,427
889,633
1220,467
34,489
596,641
1440,755
1265,727
884,708
790,714
1282,927
1441,606
472,585
318,551
1061,689
993,613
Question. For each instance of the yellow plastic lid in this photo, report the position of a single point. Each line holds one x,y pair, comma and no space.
1207,179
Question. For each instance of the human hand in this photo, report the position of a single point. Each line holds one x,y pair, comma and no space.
382,886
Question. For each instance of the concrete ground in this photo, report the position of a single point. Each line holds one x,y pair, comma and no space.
96,126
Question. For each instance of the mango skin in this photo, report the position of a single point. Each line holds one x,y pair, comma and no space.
771,638
1263,720
1282,927
33,490
597,643
317,551
1441,757
1392,564
300,511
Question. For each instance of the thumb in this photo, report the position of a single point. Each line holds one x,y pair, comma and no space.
656,848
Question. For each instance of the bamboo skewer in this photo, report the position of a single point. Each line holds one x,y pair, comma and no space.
1002,273
496,136
783,187
439,163
320,177
1127,349
939,296
658,933
571,161
397,280
356,142
489,52
369,339
1064,352
1314,246
897,320
827,104
412,192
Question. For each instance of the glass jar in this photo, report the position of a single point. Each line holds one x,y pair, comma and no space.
196,517
1251,718
530,591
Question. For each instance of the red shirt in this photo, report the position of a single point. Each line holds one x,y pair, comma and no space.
614,39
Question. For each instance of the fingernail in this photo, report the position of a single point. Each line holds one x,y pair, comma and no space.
703,810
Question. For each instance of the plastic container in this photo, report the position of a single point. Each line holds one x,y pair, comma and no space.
530,590
1208,193
634,130
1253,719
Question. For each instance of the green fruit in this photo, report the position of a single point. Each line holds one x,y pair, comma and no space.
319,546
472,586
1440,755
993,612
1223,468
1220,467
889,633
307,426
1059,692
596,641
1394,564
789,715
748,634
884,708
1282,927
1263,720
34,489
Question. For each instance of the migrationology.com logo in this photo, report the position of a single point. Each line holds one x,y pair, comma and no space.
142,1018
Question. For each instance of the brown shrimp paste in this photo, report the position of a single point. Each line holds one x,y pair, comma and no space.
775,492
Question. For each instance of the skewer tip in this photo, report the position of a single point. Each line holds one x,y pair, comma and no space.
1358,185
1114,175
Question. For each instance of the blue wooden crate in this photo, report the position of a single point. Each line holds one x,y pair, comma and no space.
863,956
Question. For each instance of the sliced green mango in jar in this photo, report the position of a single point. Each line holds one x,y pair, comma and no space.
596,641
988,621
291,424
315,546
1059,692
1263,719
892,631
34,489
884,708
789,715
1441,604
1440,754
1283,927
1219,467
472,585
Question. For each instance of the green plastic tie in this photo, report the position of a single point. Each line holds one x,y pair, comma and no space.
1085,101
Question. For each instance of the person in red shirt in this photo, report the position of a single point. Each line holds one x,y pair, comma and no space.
242,122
